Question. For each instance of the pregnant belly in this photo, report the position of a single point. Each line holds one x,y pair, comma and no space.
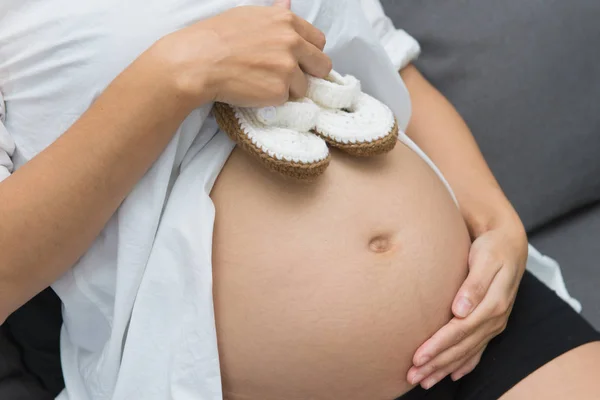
325,290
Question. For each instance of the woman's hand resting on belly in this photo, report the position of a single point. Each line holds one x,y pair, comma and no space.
482,306
498,254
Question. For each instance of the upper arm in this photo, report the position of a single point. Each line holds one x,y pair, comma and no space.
7,144
399,45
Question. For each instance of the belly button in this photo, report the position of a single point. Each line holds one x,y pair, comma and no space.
381,244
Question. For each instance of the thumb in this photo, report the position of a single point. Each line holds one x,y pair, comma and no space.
482,271
283,3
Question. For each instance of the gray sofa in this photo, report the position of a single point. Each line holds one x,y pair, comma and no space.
525,74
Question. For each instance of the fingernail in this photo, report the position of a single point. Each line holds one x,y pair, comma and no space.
428,384
463,307
457,377
416,379
423,360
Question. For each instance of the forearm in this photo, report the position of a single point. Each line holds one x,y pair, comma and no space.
55,205
440,131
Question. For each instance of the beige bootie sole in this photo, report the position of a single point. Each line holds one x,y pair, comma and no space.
373,148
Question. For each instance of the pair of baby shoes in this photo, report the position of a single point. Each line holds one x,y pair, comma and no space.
292,139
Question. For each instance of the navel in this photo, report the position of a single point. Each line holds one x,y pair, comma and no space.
381,244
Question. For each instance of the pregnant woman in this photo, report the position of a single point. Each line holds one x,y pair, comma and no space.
188,271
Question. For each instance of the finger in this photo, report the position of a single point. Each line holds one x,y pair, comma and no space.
313,61
496,305
449,335
429,381
457,330
433,380
468,366
462,351
309,32
298,85
483,267
436,377
501,295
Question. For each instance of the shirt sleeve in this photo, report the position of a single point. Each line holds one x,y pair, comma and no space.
399,45
7,144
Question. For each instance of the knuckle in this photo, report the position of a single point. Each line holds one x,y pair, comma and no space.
461,331
293,40
438,376
501,327
287,65
478,290
280,92
320,40
462,353
434,366
482,255
286,16
501,308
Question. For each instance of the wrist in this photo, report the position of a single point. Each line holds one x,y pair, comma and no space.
491,212
188,86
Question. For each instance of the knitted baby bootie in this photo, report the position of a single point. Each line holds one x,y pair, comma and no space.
279,137
351,120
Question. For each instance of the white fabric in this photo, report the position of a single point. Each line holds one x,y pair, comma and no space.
399,45
7,145
138,312
548,271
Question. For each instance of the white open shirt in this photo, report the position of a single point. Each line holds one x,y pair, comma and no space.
138,311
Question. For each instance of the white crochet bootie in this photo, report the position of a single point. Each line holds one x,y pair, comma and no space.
279,137
350,119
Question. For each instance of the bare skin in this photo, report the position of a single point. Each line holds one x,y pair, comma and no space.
325,290
497,257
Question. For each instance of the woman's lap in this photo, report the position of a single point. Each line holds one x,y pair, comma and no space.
541,329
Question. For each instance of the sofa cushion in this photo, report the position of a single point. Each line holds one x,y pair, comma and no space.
525,74
573,242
